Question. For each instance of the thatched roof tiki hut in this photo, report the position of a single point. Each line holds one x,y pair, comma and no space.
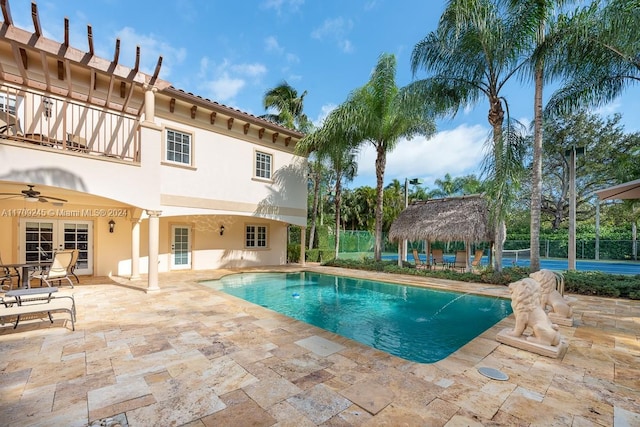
454,219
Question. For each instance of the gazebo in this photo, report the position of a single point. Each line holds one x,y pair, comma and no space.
463,219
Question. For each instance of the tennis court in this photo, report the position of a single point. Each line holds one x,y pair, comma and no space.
611,267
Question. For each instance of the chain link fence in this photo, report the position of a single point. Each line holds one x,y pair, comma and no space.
361,244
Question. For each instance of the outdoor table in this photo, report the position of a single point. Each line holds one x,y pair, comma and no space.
26,266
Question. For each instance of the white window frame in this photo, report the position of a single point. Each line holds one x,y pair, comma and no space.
189,143
8,103
259,163
256,236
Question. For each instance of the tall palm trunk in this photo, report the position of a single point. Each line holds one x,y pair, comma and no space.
496,119
338,203
381,160
536,179
314,214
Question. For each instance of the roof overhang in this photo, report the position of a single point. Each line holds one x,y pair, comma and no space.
628,190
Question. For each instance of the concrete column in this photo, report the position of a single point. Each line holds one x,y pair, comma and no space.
303,238
154,243
149,103
135,248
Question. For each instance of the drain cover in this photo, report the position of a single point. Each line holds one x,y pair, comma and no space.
493,374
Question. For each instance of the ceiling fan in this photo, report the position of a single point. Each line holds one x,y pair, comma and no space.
31,195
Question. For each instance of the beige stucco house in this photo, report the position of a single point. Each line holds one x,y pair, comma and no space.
141,177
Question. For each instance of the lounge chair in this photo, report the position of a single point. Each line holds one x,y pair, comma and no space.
438,258
419,263
461,260
477,259
59,269
15,308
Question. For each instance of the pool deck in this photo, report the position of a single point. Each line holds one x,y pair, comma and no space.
190,355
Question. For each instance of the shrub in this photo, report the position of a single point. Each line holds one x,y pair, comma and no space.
293,252
584,283
602,284
319,255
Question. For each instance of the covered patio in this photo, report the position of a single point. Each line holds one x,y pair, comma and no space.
460,219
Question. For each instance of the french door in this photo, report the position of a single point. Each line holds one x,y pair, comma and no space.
41,237
180,247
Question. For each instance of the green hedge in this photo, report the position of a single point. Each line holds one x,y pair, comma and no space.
583,282
601,284
320,255
293,252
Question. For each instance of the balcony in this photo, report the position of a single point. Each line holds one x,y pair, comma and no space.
46,122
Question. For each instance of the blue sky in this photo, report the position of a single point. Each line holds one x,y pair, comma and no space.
233,51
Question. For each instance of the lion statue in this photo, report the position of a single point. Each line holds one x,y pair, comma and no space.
525,302
550,295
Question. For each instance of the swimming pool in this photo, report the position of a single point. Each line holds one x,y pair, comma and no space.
417,324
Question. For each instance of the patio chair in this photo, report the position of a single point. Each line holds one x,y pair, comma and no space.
419,263
438,258
72,265
59,269
461,260
477,259
6,275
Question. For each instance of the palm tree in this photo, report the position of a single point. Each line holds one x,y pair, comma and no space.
472,54
594,48
536,18
289,109
447,186
318,178
394,203
288,105
599,52
345,168
378,113
339,164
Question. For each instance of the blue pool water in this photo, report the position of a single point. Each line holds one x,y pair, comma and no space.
417,324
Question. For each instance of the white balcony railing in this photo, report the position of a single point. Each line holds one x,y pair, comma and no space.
55,123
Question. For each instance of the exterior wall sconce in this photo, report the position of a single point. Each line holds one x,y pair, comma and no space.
221,230
112,226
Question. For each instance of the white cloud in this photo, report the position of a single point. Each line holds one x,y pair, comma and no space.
609,109
458,152
370,5
336,30
279,5
222,82
224,87
292,58
271,45
346,46
151,48
251,70
324,112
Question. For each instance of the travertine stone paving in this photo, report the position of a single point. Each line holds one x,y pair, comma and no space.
191,356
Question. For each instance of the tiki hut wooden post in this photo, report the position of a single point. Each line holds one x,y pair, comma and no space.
453,219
